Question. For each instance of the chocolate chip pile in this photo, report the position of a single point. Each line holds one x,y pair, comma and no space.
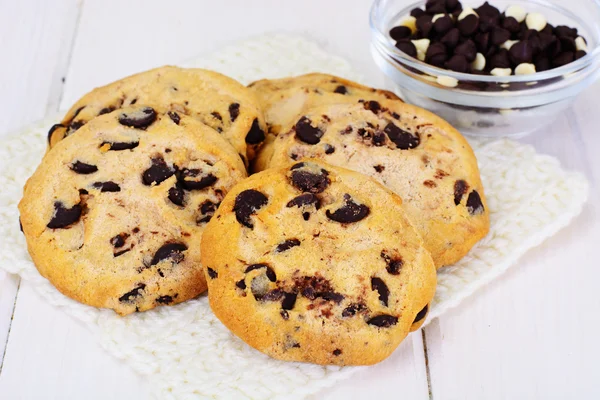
485,41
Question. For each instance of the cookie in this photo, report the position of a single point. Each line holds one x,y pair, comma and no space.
282,100
114,214
214,99
317,263
414,153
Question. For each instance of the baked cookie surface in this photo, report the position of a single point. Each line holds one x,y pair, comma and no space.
114,215
317,263
414,153
283,100
212,98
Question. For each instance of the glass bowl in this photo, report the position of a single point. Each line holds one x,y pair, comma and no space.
483,105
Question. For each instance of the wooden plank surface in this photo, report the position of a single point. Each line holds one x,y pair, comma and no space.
530,334
36,46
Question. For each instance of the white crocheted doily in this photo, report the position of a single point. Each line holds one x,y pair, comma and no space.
186,352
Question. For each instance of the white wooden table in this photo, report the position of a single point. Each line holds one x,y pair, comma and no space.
530,334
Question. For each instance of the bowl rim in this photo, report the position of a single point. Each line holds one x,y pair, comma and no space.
385,41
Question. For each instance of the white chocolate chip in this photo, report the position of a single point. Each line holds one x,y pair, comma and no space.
501,71
479,63
429,78
581,44
447,81
410,22
436,17
466,11
525,69
505,111
420,55
517,12
421,44
508,44
535,21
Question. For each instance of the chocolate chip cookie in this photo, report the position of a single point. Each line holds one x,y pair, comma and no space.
414,153
114,214
214,99
283,100
317,263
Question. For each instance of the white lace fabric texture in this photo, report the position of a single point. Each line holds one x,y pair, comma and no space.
185,352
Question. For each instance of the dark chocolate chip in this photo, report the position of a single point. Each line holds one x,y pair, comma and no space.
158,172
353,309
452,5
383,321
563,59
307,199
424,24
567,44
255,135
341,89
164,299
511,25
542,64
193,184
450,39
379,139
457,63
487,9
174,117
73,126
207,210
421,314
307,181
499,35
565,31
379,168
372,106
337,352
482,41
306,133
83,168
106,110
139,119
443,24
402,139
467,49
246,204
53,128
118,240
131,296
107,186
171,251
436,54
417,12
499,60
176,195
234,111
289,300
286,245
118,146
348,213
474,204
435,7
217,115
579,54
487,23
460,189
397,33
520,52
468,25
241,284
212,273
393,265
331,296
269,271
407,47
329,149
63,217
380,287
